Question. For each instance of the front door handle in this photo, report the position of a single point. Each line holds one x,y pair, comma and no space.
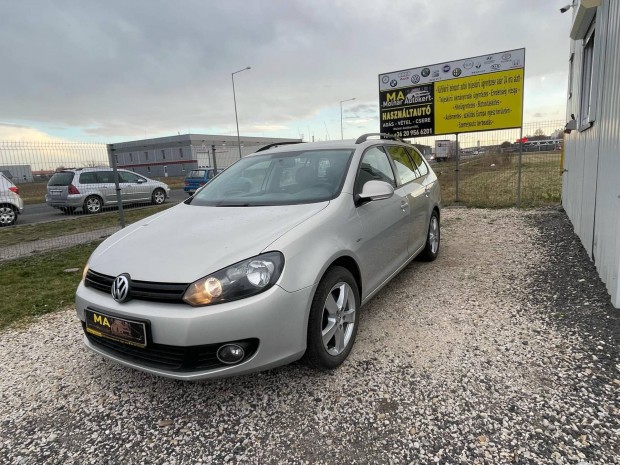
403,205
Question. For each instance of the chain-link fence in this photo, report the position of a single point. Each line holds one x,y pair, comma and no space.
494,169
64,193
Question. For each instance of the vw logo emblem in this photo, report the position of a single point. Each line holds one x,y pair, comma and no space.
120,288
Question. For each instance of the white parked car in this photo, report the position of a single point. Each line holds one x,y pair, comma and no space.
269,262
11,204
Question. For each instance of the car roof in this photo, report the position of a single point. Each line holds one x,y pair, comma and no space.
351,144
85,170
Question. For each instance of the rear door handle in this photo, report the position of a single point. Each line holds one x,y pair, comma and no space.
403,205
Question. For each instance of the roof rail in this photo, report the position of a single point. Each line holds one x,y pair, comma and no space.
277,144
364,138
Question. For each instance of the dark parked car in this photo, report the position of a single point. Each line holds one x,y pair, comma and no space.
198,178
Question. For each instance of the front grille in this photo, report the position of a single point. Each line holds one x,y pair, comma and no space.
140,290
171,358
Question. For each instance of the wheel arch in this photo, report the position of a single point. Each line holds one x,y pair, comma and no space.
349,263
11,206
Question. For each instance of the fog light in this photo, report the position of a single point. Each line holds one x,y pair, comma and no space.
230,354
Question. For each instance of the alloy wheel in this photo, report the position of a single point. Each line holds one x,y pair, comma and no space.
338,319
433,234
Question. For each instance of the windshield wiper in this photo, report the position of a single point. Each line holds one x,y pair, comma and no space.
234,204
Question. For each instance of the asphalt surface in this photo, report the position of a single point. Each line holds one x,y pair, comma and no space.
40,212
505,350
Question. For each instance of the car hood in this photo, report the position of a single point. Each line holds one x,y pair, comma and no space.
187,242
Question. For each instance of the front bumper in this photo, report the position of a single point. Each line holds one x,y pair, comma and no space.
276,318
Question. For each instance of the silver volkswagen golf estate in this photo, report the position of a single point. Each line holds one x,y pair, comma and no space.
268,263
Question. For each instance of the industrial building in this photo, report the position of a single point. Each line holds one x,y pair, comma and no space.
591,170
17,173
177,155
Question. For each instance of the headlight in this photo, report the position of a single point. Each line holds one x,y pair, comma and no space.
243,279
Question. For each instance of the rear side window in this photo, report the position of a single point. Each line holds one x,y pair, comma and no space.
88,178
63,178
105,177
417,158
404,165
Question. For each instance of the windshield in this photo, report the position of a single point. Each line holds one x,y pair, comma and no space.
278,179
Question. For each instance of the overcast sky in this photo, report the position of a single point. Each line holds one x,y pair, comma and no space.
120,70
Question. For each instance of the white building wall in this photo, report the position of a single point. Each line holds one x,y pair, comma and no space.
591,188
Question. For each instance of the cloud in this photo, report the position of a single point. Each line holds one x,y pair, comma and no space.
126,69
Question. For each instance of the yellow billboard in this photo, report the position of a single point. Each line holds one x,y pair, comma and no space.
479,103
474,94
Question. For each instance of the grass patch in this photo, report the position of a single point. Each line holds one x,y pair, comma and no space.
490,181
32,232
32,192
38,285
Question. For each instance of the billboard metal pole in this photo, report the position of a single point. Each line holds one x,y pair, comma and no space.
112,158
456,170
520,168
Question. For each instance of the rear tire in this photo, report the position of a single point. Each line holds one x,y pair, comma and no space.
158,197
93,205
333,321
8,215
433,239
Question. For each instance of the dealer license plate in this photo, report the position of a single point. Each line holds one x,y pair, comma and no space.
114,328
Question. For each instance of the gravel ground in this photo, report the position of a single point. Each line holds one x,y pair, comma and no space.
503,350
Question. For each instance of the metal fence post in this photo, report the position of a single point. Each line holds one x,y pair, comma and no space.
112,157
520,166
456,170
214,158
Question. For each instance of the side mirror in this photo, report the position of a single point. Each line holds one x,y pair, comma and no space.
376,190
141,181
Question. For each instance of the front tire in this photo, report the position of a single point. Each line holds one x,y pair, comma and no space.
159,197
93,205
433,238
333,321
8,215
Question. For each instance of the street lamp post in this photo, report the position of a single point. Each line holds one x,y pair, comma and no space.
232,77
341,102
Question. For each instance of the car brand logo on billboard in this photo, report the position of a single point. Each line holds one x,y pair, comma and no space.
495,67
385,79
456,72
393,83
404,76
446,68
506,56
468,64
425,72
415,78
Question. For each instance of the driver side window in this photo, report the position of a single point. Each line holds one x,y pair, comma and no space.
126,176
374,166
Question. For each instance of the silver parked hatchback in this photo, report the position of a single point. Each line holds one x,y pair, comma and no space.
268,263
92,189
